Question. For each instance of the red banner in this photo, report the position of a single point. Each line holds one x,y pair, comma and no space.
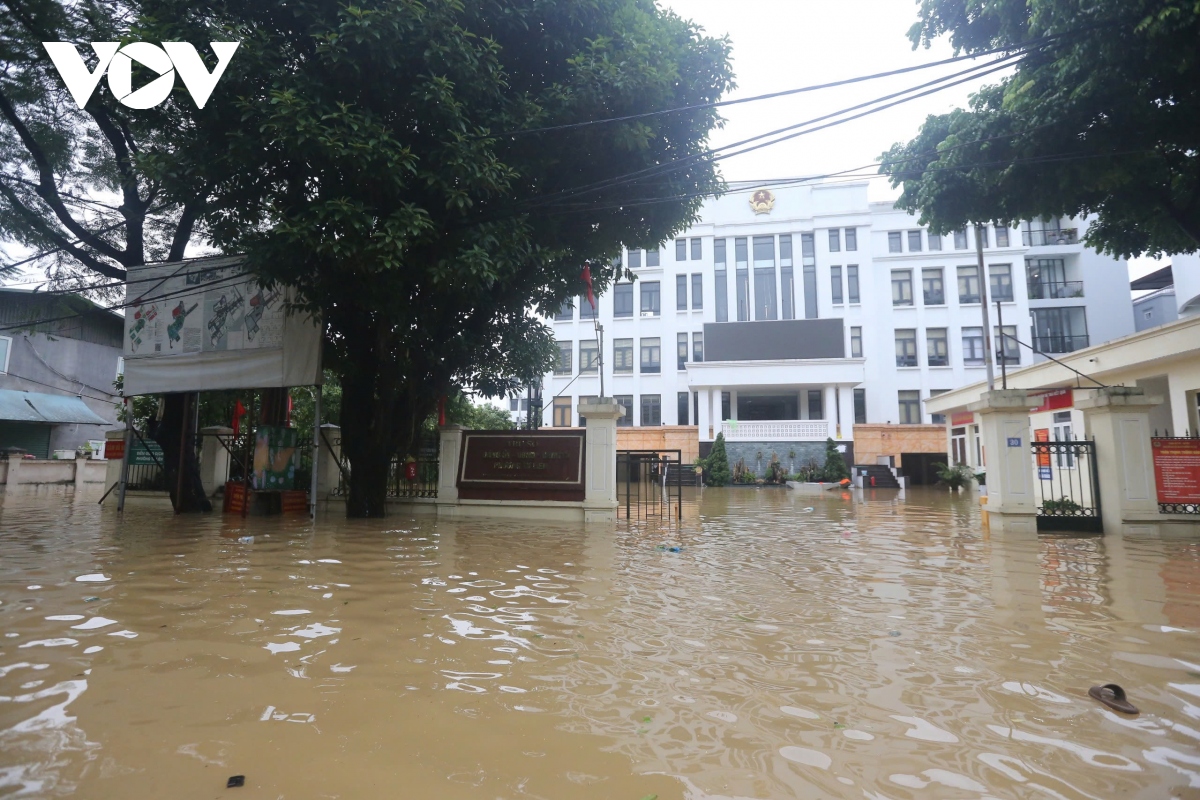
1054,399
114,448
1177,469
963,418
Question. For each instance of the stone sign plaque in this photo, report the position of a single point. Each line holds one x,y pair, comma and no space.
521,465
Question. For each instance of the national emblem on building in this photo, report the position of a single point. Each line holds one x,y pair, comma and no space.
762,201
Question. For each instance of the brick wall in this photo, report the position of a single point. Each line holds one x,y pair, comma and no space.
872,441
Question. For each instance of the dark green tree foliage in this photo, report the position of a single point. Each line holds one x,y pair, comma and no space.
716,465
835,464
363,154
1104,120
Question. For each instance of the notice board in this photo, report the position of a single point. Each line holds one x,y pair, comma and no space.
521,465
1177,469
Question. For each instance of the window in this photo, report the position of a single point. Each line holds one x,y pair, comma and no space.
697,291
589,355
635,259
651,356
697,250
902,287
982,233
914,241
1006,346
935,242
586,309
650,298
765,305
856,342
1001,236
835,284
622,355
1065,458
931,286
566,310
960,239
698,347
786,287
968,284
1047,279
1060,330
563,365
681,349
1000,284
584,400
513,403
816,404
895,242
1045,231
906,347
720,284
562,412
741,266
860,406
939,419
652,258
808,253
681,249
851,240
681,292
623,300
972,339
625,401
651,410
6,347
835,240
910,407
852,283
725,405
683,401
937,347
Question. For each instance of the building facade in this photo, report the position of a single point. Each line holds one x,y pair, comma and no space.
790,314
59,356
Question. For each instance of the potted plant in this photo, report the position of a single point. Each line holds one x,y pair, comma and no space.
955,477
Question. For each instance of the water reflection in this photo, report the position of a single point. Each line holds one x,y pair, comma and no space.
867,648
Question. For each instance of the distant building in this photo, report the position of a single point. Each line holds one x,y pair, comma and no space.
789,315
1158,306
59,356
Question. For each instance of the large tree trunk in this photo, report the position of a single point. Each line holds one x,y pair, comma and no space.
173,434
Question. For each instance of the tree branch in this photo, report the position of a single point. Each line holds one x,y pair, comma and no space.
48,189
35,221
133,206
183,231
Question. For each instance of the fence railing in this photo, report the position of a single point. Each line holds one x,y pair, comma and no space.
1055,290
409,477
1060,344
775,430
1040,238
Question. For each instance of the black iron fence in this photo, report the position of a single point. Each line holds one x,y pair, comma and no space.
1069,486
650,484
409,477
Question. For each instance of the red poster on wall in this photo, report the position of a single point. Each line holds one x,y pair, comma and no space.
1177,469
1043,453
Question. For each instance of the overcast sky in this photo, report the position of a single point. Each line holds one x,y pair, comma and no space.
782,44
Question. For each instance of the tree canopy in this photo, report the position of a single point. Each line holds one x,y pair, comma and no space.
372,156
1101,118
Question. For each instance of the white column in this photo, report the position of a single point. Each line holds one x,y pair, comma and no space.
829,403
448,454
600,464
329,461
1004,426
703,421
214,458
733,404
846,393
80,461
112,469
1118,418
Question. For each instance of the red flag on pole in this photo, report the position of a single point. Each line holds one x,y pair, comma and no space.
586,275
239,411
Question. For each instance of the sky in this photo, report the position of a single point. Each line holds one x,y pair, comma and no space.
783,44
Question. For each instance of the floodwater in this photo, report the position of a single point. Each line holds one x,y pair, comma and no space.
877,649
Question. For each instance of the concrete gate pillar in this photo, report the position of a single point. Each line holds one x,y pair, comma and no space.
449,451
600,460
329,460
112,468
1118,418
214,458
1004,428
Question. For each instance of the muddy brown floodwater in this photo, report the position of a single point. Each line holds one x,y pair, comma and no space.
878,649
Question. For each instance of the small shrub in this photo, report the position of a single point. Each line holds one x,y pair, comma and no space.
835,466
955,477
1063,507
716,466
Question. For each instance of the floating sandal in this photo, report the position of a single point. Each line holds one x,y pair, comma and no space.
1112,696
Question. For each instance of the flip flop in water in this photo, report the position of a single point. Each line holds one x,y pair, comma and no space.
1113,696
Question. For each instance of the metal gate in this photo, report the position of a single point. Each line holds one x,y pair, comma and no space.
650,484
1065,472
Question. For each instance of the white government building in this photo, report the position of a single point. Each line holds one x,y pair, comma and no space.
791,313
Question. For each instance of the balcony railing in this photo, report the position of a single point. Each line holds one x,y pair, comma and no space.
1055,291
776,430
1049,237
1060,344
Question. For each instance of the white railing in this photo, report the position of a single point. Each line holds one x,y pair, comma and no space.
776,430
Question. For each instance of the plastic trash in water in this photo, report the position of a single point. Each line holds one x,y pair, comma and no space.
808,509
245,540
236,780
